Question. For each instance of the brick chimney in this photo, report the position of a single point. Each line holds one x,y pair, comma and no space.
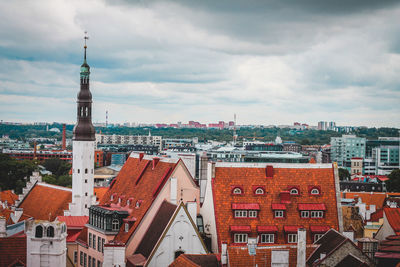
269,171
141,155
155,161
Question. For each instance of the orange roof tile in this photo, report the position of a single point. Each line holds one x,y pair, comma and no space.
369,198
74,221
393,217
302,178
8,196
125,185
99,192
7,214
46,202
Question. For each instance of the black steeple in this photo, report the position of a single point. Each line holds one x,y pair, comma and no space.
84,130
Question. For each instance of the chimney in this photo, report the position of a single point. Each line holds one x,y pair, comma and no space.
192,210
269,171
155,161
64,141
3,227
141,155
301,247
285,197
16,215
224,256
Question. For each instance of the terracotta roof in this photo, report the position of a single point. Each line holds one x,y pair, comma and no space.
74,221
311,206
8,196
245,206
239,256
99,192
291,228
393,217
196,260
13,250
73,234
46,202
125,184
135,260
369,198
247,175
267,229
7,214
83,236
319,228
376,215
156,228
278,206
240,228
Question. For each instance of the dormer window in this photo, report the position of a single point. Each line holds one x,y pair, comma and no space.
237,191
115,225
259,191
314,191
294,191
138,203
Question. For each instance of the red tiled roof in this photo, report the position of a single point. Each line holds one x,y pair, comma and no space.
7,214
73,234
278,206
248,177
319,228
193,260
393,217
245,206
311,206
8,196
46,202
74,221
369,198
376,215
240,228
151,180
291,228
99,192
12,250
267,229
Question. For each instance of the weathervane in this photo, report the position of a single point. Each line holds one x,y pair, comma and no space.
86,38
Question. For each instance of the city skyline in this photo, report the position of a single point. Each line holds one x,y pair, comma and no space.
163,62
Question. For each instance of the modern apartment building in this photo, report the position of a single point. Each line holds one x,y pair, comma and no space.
129,139
344,148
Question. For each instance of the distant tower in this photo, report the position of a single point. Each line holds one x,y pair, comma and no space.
234,130
106,118
83,143
45,243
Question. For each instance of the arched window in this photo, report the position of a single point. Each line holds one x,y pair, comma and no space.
86,171
178,253
259,191
39,231
237,191
87,111
79,170
115,225
50,231
294,191
314,191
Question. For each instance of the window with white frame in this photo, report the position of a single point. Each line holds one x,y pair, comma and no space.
267,238
259,191
240,213
240,238
314,191
115,225
292,238
317,214
304,214
279,214
252,213
317,236
294,191
237,191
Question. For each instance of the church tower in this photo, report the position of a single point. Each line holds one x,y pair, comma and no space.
83,149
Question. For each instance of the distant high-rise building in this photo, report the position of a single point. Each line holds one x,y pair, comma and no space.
344,148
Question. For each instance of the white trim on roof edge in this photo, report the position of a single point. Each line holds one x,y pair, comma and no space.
275,165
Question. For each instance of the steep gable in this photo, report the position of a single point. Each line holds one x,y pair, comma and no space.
393,217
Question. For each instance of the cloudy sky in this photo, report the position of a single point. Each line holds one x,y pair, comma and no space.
270,62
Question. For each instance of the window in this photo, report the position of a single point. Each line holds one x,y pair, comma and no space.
94,241
292,238
237,191
294,191
240,213
79,170
81,258
93,262
137,204
99,244
259,191
75,256
279,214
50,231
90,240
39,231
240,238
317,214
98,263
115,225
84,259
86,170
252,213
305,214
267,238
317,236
315,191
85,181
90,261
102,245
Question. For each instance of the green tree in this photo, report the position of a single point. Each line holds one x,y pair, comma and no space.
64,180
393,184
57,166
343,174
13,172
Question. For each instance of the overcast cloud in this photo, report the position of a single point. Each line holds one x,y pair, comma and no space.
270,62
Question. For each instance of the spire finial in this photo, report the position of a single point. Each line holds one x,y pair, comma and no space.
85,38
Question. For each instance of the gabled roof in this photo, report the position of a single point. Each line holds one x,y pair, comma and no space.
12,250
285,176
46,202
393,217
156,228
149,182
8,196
196,260
369,198
7,214
327,243
74,221
376,215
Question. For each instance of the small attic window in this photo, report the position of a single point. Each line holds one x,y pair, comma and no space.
112,197
138,203
294,191
237,191
315,191
259,191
